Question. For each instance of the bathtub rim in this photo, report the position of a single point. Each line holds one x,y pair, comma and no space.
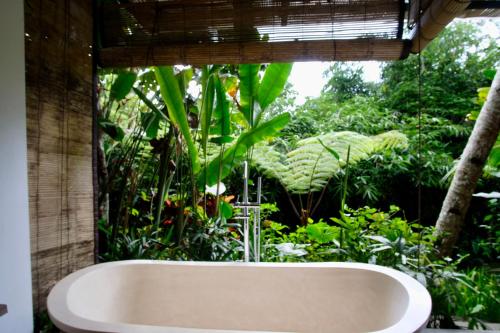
417,312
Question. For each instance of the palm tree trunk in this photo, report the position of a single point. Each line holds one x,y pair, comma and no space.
469,169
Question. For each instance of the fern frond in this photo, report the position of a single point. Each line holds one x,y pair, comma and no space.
309,166
270,161
390,140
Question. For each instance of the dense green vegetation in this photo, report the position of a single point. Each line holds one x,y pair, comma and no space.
172,137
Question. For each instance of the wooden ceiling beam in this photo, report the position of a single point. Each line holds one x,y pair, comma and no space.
255,52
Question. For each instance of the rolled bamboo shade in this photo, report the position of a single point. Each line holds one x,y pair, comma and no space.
256,52
229,31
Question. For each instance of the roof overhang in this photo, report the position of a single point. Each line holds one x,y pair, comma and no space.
166,32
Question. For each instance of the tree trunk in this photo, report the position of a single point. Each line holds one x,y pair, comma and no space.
469,169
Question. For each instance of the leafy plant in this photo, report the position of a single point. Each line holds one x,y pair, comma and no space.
154,152
255,92
481,302
221,166
174,100
362,235
472,295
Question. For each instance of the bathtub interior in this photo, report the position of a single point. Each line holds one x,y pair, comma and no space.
279,299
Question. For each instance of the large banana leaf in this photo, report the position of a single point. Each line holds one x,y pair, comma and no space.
249,85
222,110
273,83
206,110
171,94
223,164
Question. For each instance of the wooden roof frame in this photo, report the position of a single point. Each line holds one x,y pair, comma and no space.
434,17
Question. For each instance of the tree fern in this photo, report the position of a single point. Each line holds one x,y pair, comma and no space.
389,140
309,166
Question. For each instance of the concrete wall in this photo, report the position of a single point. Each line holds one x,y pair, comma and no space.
15,269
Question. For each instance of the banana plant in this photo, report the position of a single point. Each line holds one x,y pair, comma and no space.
221,166
215,114
170,91
207,105
222,117
255,94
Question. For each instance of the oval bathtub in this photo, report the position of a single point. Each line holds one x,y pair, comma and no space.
195,297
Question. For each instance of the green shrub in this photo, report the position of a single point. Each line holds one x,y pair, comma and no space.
472,295
362,235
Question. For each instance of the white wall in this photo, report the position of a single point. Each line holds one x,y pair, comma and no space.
15,267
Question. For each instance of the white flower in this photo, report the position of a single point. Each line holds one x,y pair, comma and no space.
289,249
213,189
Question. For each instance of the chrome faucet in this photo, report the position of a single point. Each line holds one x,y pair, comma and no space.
246,206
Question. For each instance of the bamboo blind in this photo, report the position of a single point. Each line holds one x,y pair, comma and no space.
255,52
59,126
204,31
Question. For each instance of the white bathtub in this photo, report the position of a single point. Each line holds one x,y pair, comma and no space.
194,297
